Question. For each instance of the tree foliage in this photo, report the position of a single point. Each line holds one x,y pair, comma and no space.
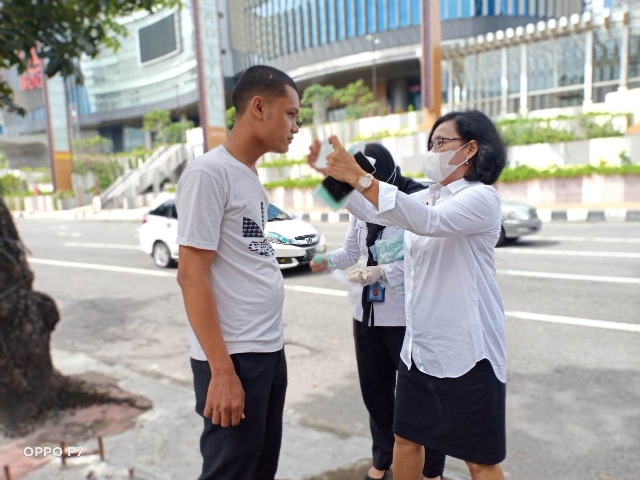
177,132
357,99
12,185
92,145
60,32
156,122
231,118
316,92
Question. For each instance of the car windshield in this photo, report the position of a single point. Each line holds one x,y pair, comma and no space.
274,214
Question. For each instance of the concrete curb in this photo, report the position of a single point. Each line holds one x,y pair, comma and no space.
546,215
589,215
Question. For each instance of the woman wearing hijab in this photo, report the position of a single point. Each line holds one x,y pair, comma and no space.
378,326
451,392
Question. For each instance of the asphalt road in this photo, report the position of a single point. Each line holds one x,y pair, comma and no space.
572,296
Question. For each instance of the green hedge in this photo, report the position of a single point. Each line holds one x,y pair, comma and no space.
382,134
509,175
523,172
532,130
307,182
282,162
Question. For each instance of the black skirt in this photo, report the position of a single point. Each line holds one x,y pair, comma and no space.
461,417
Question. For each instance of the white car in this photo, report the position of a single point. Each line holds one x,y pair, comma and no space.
294,241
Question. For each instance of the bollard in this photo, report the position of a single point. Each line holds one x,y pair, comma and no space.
66,456
63,457
101,448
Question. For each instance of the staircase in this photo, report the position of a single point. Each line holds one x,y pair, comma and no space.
165,163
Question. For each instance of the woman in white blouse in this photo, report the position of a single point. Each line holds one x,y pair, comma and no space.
451,389
378,326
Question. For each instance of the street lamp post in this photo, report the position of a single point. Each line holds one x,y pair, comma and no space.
374,77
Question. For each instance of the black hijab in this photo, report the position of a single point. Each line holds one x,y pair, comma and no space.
385,168
386,171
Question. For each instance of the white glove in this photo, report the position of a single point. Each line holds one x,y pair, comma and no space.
366,276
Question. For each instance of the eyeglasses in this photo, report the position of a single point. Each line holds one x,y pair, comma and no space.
438,142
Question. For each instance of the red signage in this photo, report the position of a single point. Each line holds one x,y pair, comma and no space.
32,78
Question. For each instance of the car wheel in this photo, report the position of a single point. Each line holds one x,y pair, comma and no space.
502,238
512,240
161,255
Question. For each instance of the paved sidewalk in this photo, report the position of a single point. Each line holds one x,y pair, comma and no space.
163,445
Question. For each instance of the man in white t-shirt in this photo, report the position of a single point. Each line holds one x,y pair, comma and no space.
232,287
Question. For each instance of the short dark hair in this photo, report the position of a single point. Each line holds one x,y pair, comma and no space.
491,158
260,80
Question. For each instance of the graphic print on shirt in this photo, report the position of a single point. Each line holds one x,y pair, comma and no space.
251,229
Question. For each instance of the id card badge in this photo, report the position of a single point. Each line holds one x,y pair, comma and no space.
375,293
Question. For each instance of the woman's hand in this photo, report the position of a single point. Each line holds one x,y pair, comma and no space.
341,165
319,267
312,157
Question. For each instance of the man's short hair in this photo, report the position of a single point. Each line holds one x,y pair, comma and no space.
262,80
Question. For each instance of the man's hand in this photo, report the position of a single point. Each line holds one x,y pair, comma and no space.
341,165
225,398
312,157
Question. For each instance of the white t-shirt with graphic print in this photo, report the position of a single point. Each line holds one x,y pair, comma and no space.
222,206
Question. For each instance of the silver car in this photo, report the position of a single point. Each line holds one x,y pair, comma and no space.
518,219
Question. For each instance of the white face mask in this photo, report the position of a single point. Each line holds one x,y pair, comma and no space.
436,167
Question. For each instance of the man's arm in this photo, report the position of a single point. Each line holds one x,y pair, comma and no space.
225,398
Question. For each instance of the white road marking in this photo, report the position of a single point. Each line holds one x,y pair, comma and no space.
317,291
568,276
538,317
568,253
580,322
585,239
105,268
114,246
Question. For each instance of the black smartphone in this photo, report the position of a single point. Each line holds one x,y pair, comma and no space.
339,190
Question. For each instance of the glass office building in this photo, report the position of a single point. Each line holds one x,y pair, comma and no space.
339,41
154,68
284,27
566,62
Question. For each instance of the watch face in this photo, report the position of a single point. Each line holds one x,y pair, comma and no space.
364,182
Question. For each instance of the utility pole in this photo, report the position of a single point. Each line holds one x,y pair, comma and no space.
431,71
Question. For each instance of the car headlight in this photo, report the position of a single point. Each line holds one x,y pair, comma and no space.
277,238
519,215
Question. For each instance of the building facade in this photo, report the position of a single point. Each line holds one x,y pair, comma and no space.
339,41
568,54
562,62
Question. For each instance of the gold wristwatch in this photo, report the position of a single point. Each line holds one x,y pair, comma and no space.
364,182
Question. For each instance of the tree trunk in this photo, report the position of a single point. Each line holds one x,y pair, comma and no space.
29,385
